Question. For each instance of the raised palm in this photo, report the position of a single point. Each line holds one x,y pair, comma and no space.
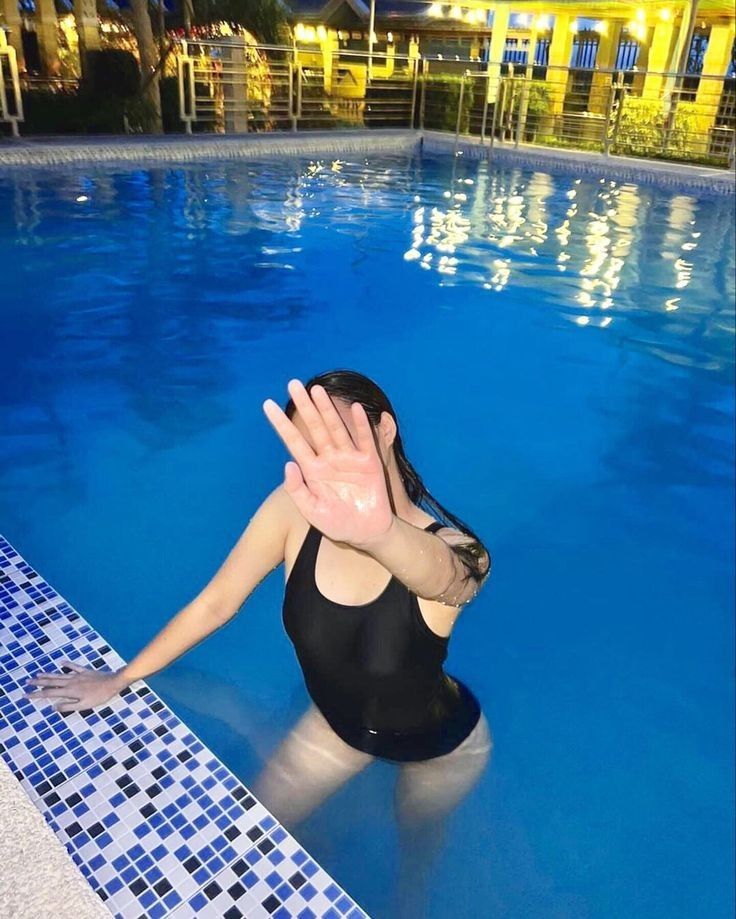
340,485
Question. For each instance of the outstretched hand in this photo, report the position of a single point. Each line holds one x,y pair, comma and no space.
339,486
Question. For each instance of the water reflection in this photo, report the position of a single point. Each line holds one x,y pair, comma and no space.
624,252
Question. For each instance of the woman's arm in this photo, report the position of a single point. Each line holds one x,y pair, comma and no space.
258,551
426,562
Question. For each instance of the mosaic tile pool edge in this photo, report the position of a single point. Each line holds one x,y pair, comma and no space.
126,150
677,176
155,822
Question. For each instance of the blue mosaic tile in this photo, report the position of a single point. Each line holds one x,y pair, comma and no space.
257,889
155,822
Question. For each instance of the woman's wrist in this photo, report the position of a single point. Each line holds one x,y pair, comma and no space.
120,678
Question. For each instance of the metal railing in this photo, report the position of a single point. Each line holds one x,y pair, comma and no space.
229,86
11,102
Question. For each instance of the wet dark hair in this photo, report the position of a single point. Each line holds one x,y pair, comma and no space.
350,386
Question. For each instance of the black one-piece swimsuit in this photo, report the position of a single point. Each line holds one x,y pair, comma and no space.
375,670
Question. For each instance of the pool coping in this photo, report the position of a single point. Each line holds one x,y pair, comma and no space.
151,818
140,149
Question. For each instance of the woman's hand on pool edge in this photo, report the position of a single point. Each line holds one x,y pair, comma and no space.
81,690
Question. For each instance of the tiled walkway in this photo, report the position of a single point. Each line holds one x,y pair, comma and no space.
155,822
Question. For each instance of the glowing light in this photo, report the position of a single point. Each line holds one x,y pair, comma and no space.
601,28
542,23
523,20
456,12
304,33
481,15
321,33
575,26
435,10
665,14
82,198
390,38
640,15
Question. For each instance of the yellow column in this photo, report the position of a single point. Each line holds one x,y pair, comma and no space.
48,35
10,18
501,12
560,52
330,45
605,60
716,61
88,29
659,58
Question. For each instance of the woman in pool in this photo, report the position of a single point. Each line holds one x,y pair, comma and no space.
348,513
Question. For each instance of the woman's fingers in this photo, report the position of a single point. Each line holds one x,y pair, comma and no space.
73,666
364,434
335,425
289,433
49,678
311,415
297,488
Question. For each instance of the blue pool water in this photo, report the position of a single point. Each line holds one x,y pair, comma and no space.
562,368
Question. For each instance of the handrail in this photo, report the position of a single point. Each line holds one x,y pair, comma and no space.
11,107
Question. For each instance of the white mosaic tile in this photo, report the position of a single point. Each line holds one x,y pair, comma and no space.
66,152
154,821
683,177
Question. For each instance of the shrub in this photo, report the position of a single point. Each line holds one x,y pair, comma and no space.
641,126
77,112
111,72
442,100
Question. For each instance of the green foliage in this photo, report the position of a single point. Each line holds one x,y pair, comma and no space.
540,100
645,129
641,126
71,113
442,101
172,123
112,72
266,19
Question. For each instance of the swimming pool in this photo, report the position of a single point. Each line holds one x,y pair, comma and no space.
560,355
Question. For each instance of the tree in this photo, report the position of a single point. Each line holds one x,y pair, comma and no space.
266,19
149,58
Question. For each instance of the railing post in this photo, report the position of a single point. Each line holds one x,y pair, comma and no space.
617,120
185,74
497,108
292,109
459,112
484,119
521,112
246,100
298,90
607,123
12,117
414,94
423,93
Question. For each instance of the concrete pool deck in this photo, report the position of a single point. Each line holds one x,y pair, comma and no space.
153,820
146,150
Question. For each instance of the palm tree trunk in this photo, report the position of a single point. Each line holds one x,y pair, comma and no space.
149,58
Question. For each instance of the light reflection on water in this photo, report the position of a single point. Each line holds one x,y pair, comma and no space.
560,353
